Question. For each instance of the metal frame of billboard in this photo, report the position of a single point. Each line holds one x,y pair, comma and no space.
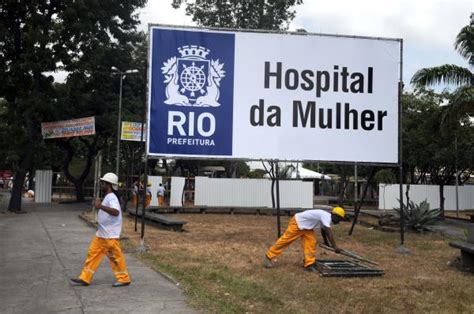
399,164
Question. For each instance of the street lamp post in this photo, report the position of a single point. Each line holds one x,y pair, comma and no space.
119,118
456,168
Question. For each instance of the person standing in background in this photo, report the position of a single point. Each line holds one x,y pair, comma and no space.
148,195
161,195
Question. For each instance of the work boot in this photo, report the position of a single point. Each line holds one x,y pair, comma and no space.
120,284
77,282
267,262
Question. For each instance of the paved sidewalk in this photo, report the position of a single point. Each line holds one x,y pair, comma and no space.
452,228
48,244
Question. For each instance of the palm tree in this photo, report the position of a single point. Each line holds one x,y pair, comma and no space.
462,101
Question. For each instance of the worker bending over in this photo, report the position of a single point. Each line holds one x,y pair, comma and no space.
302,226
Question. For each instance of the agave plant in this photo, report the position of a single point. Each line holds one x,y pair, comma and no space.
418,216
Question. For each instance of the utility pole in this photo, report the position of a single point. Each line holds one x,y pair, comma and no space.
119,118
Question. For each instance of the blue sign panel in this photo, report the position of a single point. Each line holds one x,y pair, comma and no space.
191,93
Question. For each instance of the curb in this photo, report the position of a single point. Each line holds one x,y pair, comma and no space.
168,277
91,224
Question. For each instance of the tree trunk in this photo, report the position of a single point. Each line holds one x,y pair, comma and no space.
20,175
79,186
17,191
342,193
165,165
273,193
441,198
25,164
31,182
152,165
231,169
55,179
412,176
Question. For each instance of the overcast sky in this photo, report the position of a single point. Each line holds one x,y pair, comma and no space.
428,27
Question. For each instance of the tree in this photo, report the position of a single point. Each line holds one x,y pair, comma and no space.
428,149
259,14
81,89
40,37
462,102
385,176
25,55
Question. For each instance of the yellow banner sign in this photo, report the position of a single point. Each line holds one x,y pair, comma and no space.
131,131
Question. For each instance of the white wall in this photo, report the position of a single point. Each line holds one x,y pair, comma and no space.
251,193
295,194
155,182
389,195
43,186
177,186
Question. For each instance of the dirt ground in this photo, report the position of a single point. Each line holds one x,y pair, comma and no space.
218,262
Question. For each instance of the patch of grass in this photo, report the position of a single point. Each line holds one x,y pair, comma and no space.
213,287
218,262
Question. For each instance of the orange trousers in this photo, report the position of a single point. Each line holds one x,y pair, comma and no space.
161,200
111,248
308,240
147,200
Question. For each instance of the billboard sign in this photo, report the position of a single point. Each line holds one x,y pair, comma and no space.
255,95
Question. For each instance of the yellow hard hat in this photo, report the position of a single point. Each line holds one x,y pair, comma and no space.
339,211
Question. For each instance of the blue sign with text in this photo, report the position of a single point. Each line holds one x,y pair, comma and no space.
191,92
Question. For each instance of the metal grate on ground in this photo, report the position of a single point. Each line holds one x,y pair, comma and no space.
346,268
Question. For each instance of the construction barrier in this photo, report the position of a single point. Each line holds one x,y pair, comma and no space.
251,193
390,193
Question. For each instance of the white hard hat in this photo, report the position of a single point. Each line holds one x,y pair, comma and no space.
110,178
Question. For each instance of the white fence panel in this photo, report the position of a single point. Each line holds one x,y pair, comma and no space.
389,195
251,193
296,194
177,186
155,182
43,186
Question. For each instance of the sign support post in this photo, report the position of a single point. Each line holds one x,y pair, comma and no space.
277,178
401,249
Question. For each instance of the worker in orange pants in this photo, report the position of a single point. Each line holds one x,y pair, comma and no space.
148,195
302,226
107,238
291,234
161,195
111,248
